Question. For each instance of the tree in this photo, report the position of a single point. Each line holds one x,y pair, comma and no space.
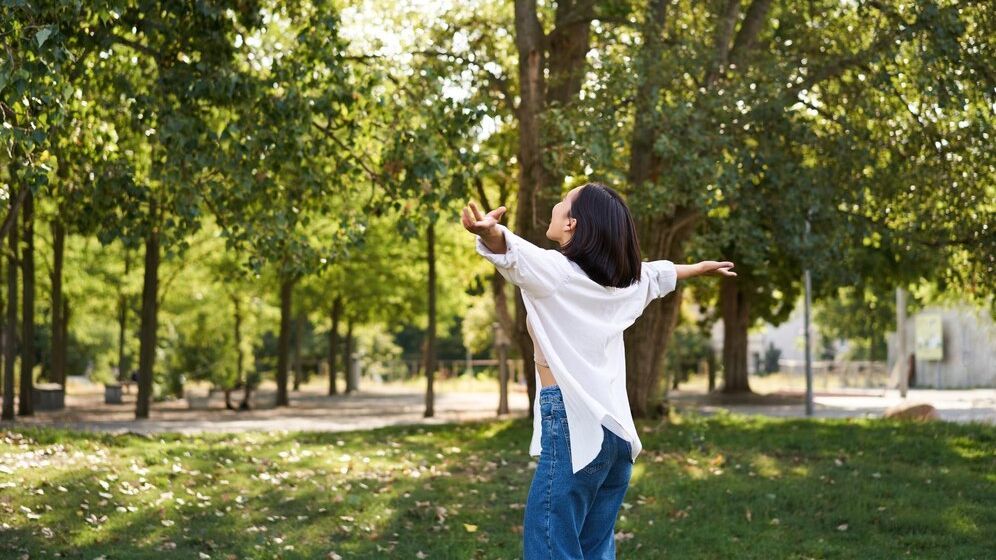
284,155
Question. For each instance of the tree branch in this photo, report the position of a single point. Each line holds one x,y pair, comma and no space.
330,135
757,15
135,45
724,34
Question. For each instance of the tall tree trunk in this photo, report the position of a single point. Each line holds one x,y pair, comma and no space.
664,235
239,354
3,338
150,316
10,326
335,315
65,333
298,332
123,365
529,40
58,336
348,358
283,342
564,48
430,332
25,405
735,306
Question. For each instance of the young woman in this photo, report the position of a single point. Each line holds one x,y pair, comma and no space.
579,299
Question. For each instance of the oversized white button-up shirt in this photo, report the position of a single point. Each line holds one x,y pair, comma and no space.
579,326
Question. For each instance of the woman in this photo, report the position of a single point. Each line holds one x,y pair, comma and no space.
579,299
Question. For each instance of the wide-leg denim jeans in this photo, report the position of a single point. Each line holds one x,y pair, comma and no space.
572,516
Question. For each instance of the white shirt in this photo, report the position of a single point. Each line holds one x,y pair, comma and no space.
579,326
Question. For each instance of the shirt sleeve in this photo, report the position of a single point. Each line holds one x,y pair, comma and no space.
661,277
539,272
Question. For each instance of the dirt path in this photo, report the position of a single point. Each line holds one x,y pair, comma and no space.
385,405
372,407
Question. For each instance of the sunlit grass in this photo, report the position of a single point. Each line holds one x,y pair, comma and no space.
721,487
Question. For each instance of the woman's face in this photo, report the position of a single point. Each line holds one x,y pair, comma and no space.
561,224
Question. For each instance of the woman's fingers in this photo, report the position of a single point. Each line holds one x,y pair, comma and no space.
477,213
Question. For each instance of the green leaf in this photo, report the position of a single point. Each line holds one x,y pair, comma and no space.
44,34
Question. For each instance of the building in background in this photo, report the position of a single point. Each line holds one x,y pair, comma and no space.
954,347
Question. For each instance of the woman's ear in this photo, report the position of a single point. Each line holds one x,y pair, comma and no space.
571,224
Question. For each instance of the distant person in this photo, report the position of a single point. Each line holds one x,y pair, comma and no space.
579,299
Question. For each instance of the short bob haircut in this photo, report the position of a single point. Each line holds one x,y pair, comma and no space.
604,243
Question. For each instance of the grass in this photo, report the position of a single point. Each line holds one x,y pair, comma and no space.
720,487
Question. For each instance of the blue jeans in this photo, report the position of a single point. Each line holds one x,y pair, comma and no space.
568,515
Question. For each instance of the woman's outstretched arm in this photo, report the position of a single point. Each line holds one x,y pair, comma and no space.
537,271
704,268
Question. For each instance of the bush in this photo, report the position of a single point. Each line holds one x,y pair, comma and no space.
689,346
199,351
771,357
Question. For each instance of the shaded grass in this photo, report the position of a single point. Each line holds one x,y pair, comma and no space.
727,486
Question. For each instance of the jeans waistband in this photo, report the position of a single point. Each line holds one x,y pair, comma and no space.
551,399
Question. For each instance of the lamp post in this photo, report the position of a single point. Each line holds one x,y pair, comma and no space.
501,345
807,280
902,354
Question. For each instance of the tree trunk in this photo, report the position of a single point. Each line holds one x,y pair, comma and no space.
123,365
25,405
150,311
10,326
239,354
283,342
58,336
711,369
565,48
646,342
335,314
3,337
298,331
65,334
662,236
735,307
348,358
430,334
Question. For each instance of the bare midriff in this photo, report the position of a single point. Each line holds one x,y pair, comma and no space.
546,376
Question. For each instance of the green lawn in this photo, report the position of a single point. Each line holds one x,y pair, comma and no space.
721,487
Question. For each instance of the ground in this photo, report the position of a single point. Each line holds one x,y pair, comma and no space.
459,399
366,476
725,486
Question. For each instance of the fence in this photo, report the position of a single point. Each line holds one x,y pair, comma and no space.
403,369
863,374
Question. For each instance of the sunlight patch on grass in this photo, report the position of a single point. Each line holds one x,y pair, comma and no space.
766,466
959,521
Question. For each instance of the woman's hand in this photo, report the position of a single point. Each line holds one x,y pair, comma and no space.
704,268
486,225
716,268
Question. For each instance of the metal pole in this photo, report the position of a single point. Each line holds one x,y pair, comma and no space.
808,284
902,354
807,279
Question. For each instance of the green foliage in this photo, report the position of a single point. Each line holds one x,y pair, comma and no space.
199,351
862,316
771,357
690,345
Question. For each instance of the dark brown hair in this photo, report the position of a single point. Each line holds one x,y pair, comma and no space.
604,243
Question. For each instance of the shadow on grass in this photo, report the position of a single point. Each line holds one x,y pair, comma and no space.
723,486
